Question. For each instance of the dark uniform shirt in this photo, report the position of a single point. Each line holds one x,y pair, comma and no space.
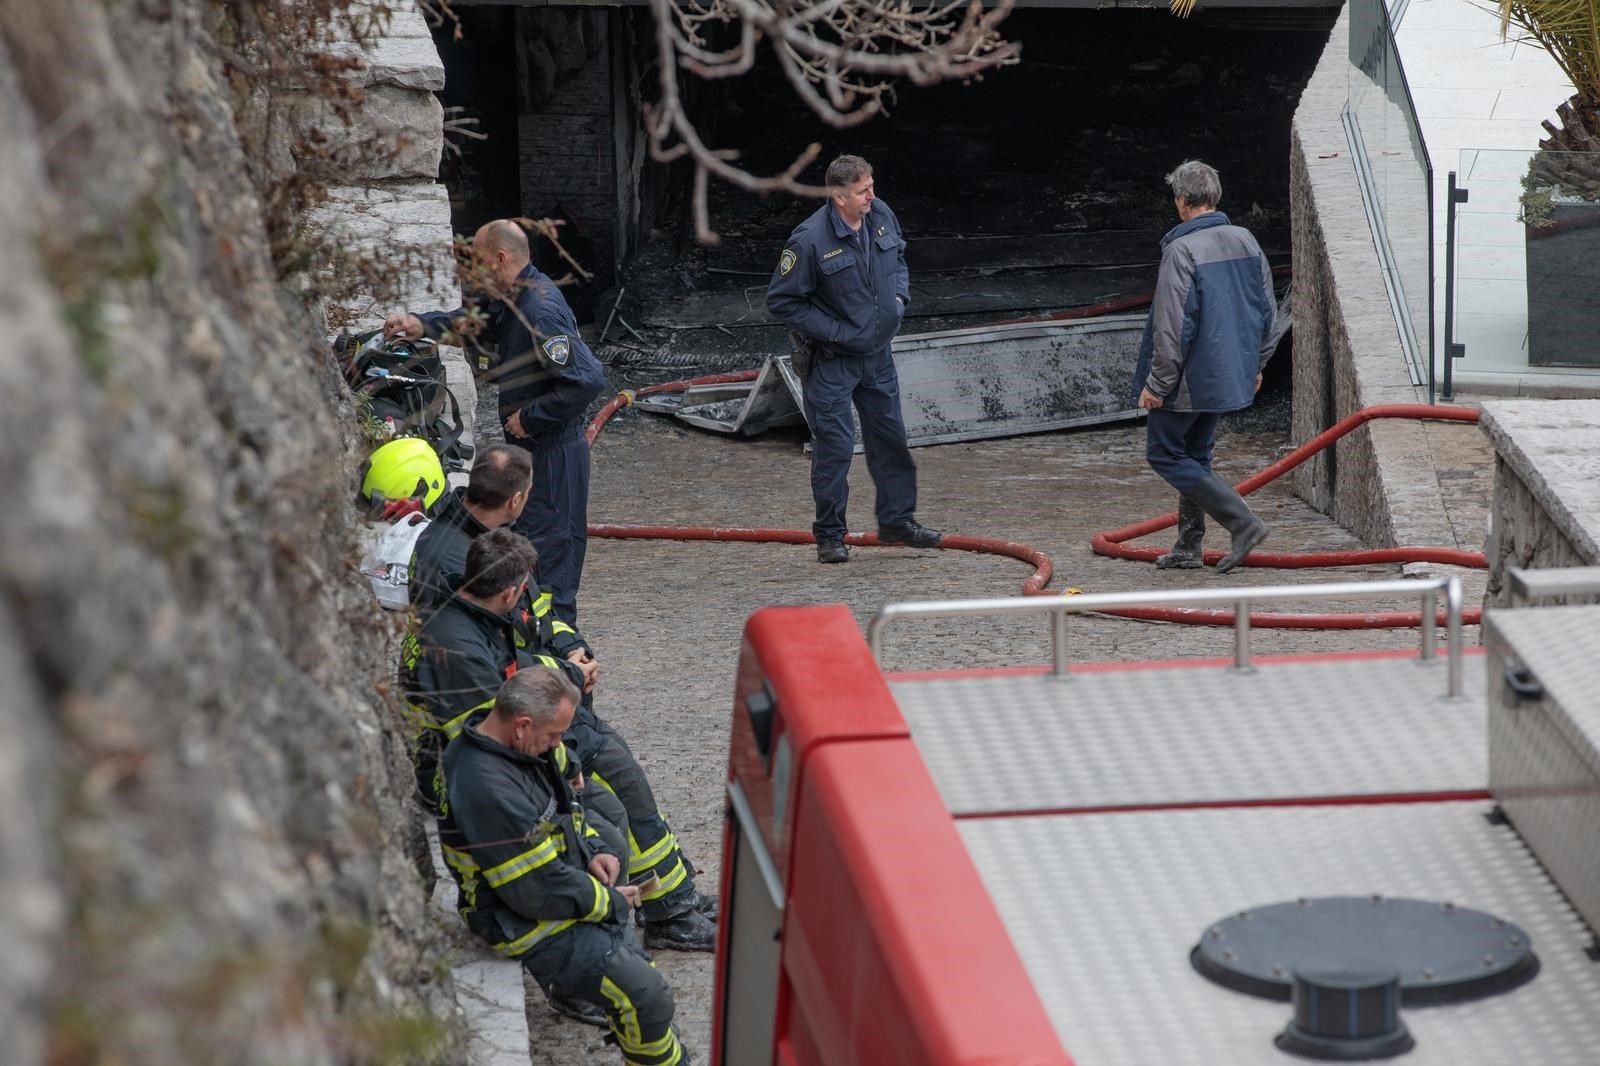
840,286
525,844
548,375
439,562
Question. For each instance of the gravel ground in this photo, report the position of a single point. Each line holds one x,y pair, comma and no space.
666,617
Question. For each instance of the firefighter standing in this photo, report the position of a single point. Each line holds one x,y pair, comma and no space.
547,377
842,282
554,891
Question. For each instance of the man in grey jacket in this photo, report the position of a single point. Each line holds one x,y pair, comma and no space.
1205,344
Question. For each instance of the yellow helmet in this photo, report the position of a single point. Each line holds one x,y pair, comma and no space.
405,468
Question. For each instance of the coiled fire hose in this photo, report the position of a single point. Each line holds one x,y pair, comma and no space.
1113,543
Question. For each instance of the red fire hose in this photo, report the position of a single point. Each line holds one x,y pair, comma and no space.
1112,543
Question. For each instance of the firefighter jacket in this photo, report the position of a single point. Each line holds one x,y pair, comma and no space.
439,562
450,670
526,836
545,370
848,289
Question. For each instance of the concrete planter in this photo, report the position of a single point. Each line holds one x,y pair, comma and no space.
1563,279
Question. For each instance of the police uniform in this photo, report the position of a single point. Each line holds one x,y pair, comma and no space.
849,291
531,850
548,376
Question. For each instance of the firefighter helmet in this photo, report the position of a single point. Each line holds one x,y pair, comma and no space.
404,468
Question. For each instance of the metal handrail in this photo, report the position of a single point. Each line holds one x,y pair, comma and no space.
1428,589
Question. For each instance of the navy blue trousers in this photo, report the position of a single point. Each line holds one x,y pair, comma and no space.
556,519
870,382
1177,445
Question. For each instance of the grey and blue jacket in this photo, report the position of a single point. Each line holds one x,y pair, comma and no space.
840,286
1210,325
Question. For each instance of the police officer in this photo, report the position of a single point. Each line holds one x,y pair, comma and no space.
553,890
547,378
842,282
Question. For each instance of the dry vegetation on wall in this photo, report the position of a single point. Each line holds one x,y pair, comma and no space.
201,852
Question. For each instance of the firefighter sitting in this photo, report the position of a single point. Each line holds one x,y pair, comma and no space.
676,915
547,881
450,670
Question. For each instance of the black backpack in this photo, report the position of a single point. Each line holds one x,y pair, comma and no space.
402,385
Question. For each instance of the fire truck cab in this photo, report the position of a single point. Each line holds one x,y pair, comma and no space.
1344,856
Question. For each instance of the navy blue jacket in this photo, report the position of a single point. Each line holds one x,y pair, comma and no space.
1210,324
549,375
840,287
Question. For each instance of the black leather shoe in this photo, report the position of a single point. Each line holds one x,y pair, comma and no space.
832,551
577,1009
912,534
689,931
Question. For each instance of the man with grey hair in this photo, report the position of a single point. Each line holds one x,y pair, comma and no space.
1205,344
842,284
552,885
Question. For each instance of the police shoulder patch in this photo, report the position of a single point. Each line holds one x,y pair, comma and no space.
559,349
829,255
786,261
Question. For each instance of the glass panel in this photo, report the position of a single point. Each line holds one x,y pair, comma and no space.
1527,285
1390,138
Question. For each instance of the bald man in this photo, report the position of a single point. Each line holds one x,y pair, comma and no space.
547,377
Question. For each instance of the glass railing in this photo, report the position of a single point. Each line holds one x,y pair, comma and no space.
1396,174
1526,286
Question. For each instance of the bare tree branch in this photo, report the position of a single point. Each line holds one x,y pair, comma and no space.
843,58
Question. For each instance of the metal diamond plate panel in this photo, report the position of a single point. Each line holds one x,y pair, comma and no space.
1103,909
1544,753
1131,737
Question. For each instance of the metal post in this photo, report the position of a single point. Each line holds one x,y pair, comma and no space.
1452,607
1452,350
1241,634
1430,608
1058,643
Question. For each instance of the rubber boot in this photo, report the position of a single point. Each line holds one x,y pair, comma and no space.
1217,498
1186,553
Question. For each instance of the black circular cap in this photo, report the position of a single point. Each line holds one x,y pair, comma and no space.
1345,1016
1440,953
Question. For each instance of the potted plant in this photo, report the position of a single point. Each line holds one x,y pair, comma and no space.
1560,203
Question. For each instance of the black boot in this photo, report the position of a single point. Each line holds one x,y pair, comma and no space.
1217,498
579,1010
1186,553
687,931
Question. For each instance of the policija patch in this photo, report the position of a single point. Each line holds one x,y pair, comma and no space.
786,262
559,349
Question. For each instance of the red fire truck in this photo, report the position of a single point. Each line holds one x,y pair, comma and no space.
1345,856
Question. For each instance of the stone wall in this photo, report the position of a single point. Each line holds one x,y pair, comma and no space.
1379,480
392,208
204,790
1546,487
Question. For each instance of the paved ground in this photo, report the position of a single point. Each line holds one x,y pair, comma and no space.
666,617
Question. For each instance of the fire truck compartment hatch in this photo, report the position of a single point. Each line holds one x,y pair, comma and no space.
1103,910
1439,951
1140,737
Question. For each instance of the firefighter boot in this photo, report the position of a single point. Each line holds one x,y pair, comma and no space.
688,930
1217,498
1186,553
577,1009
